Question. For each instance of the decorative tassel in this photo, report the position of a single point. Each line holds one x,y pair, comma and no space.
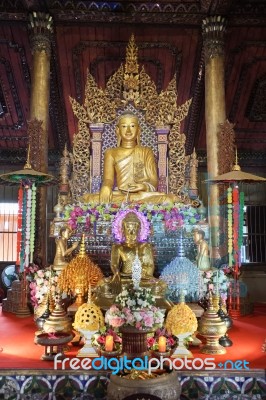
32,222
230,226
19,229
23,232
28,224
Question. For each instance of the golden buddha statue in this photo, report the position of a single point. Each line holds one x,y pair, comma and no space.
62,251
123,257
203,257
132,167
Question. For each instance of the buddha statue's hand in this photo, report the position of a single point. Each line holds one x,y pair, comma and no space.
116,283
134,188
105,195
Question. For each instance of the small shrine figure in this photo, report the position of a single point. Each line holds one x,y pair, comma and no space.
203,258
131,229
124,254
62,251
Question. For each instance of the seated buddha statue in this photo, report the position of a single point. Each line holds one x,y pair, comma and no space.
131,167
123,257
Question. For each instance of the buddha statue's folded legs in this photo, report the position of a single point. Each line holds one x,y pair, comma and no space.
120,197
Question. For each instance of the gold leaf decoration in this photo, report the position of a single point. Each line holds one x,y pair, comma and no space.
148,95
79,111
114,87
226,151
80,180
131,75
177,160
36,135
97,104
182,112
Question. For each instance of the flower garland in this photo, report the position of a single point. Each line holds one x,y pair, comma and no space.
28,226
32,222
173,215
19,229
23,231
230,226
135,308
235,221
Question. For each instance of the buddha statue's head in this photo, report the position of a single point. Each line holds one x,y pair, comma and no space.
131,227
128,128
198,235
65,232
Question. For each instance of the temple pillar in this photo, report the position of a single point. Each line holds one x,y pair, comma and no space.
40,31
162,158
213,37
96,146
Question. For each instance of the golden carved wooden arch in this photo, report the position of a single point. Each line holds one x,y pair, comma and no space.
129,88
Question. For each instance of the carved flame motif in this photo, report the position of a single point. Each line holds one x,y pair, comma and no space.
131,76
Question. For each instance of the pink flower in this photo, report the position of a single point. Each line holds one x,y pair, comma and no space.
33,285
211,286
151,341
40,273
114,309
117,339
116,322
148,320
170,341
101,340
129,318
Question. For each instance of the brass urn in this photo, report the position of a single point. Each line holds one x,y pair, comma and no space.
211,327
58,321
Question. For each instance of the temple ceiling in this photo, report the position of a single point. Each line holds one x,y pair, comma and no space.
93,36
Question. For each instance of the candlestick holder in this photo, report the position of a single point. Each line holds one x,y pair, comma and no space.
225,341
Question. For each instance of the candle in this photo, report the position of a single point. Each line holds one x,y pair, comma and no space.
162,344
109,343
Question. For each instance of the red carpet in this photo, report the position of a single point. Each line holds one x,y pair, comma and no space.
18,350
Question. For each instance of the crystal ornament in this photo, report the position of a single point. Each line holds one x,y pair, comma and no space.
181,275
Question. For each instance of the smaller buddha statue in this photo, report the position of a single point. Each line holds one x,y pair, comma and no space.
62,250
203,257
124,254
124,257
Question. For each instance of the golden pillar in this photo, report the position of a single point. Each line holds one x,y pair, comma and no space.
40,31
213,37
